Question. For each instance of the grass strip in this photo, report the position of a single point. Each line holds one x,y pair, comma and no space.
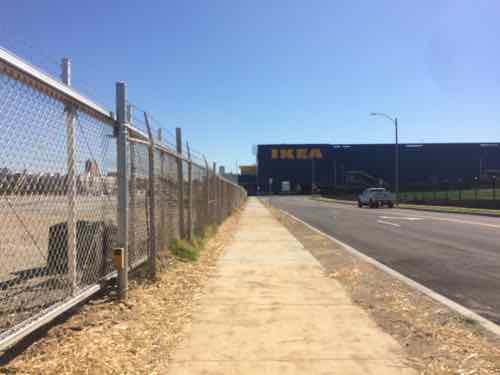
189,250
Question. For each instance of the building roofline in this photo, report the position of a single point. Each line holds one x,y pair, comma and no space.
379,144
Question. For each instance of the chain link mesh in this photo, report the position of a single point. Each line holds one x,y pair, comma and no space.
34,199
59,200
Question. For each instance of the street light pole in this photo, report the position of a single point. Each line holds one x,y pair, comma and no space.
396,152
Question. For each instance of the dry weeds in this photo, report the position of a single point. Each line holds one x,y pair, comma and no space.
437,340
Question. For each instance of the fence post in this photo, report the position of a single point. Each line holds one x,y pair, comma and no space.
152,202
227,194
215,201
71,179
207,191
190,195
122,161
180,182
221,210
163,198
133,191
221,199
217,188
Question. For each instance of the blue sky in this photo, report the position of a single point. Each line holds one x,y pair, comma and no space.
237,73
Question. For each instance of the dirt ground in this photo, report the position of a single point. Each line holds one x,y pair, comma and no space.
105,336
436,339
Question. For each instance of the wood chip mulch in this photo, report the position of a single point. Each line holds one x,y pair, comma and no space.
105,336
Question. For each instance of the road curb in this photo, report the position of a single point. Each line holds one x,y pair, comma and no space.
458,308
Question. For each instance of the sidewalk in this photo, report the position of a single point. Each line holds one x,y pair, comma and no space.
269,309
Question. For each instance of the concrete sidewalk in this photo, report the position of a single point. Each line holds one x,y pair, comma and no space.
269,309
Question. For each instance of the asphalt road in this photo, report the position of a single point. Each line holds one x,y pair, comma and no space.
456,255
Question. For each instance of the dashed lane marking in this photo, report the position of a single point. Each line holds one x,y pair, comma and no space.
388,223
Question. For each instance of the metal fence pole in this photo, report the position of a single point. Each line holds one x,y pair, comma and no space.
190,195
71,179
214,189
226,200
152,202
163,199
221,184
132,245
180,182
207,192
219,202
122,166
221,199
224,197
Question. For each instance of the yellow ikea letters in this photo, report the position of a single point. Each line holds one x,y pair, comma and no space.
292,154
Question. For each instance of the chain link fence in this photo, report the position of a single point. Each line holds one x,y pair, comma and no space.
60,197
478,192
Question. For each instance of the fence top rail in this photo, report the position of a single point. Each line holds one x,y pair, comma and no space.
138,136
21,70
230,182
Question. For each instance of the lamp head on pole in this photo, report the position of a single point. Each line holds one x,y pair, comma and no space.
383,115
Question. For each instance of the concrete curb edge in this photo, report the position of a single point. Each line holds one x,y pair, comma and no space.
462,310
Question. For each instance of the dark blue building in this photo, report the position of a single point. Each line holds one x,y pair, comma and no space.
303,166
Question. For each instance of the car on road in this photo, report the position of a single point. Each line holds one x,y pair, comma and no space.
376,197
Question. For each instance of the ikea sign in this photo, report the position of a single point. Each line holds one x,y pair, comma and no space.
296,153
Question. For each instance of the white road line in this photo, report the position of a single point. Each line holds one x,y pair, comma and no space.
401,218
465,222
388,223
